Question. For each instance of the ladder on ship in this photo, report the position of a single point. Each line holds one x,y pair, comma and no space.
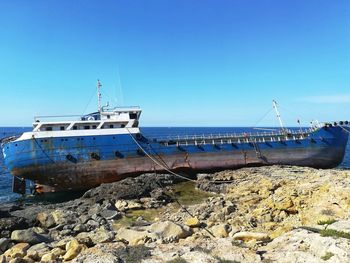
257,150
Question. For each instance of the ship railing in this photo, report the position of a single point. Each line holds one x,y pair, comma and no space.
61,117
248,137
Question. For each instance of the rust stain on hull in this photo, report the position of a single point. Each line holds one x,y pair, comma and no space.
84,175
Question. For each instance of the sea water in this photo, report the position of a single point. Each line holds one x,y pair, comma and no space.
6,180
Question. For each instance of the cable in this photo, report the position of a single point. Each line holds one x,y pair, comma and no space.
43,150
167,169
262,117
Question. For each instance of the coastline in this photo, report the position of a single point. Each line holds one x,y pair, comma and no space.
260,216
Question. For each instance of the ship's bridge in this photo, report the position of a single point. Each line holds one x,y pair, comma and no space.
118,117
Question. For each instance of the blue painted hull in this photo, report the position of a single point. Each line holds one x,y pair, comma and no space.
86,161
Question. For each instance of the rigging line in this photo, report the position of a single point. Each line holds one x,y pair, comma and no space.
42,149
168,170
87,105
253,126
344,128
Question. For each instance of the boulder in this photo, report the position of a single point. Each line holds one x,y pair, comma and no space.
39,249
192,222
28,236
84,238
73,249
4,243
18,250
247,236
48,257
170,231
134,237
101,236
3,259
46,220
57,252
64,217
79,228
221,230
110,214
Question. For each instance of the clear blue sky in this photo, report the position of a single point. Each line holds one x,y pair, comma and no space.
186,63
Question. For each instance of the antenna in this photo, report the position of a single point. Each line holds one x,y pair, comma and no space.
99,85
274,104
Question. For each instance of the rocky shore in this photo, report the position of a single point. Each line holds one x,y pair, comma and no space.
265,214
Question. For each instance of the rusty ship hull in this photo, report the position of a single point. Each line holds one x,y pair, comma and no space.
86,161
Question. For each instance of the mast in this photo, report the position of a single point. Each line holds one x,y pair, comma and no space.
99,85
274,104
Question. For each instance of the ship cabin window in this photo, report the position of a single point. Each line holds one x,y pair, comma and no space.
133,116
122,126
94,126
75,127
48,129
111,126
62,128
87,127
108,116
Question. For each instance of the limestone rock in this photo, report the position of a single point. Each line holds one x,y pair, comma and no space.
341,225
73,248
192,222
39,250
101,236
18,250
134,237
3,259
48,257
221,230
46,220
247,236
28,236
300,245
57,252
170,231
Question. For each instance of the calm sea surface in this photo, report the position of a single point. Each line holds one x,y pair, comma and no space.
6,180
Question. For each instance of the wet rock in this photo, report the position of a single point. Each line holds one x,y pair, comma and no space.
18,250
28,236
170,231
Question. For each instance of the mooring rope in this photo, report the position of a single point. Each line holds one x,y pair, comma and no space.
168,169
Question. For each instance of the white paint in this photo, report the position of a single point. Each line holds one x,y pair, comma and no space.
74,133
